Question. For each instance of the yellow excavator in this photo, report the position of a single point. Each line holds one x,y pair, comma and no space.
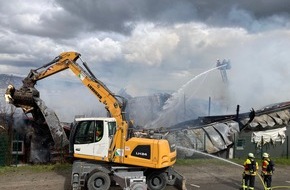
105,150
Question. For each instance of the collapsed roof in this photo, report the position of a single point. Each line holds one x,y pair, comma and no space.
216,133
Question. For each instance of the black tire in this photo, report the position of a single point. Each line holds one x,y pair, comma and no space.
99,181
156,181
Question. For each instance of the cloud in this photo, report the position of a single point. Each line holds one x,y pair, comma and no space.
153,46
150,45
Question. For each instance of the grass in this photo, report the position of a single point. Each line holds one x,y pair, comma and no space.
36,168
277,161
282,161
206,161
180,162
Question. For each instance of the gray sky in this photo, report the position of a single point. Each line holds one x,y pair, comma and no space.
157,45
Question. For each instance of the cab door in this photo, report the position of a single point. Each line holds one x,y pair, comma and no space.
84,138
92,138
101,144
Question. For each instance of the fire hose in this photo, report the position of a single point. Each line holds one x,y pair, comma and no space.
275,187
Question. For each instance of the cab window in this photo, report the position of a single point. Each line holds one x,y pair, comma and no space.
112,128
86,132
99,129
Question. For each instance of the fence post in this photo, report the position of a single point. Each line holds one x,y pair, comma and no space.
204,142
287,146
234,151
262,144
62,152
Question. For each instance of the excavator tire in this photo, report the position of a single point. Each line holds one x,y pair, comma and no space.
99,181
156,181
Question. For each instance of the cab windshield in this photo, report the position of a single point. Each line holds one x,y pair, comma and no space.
89,131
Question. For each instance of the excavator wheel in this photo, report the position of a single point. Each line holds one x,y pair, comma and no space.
99,181
156,181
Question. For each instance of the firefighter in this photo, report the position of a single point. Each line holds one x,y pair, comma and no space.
250,171
267,170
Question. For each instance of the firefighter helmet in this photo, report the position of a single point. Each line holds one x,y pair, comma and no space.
251,155
265,155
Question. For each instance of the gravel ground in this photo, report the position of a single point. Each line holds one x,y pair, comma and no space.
199,176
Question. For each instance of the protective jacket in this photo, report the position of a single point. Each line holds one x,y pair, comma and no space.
250,167
267,168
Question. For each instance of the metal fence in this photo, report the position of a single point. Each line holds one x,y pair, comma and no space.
278,149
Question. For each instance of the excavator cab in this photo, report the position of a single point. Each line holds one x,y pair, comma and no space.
90,138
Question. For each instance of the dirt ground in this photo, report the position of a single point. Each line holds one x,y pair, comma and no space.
205,176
